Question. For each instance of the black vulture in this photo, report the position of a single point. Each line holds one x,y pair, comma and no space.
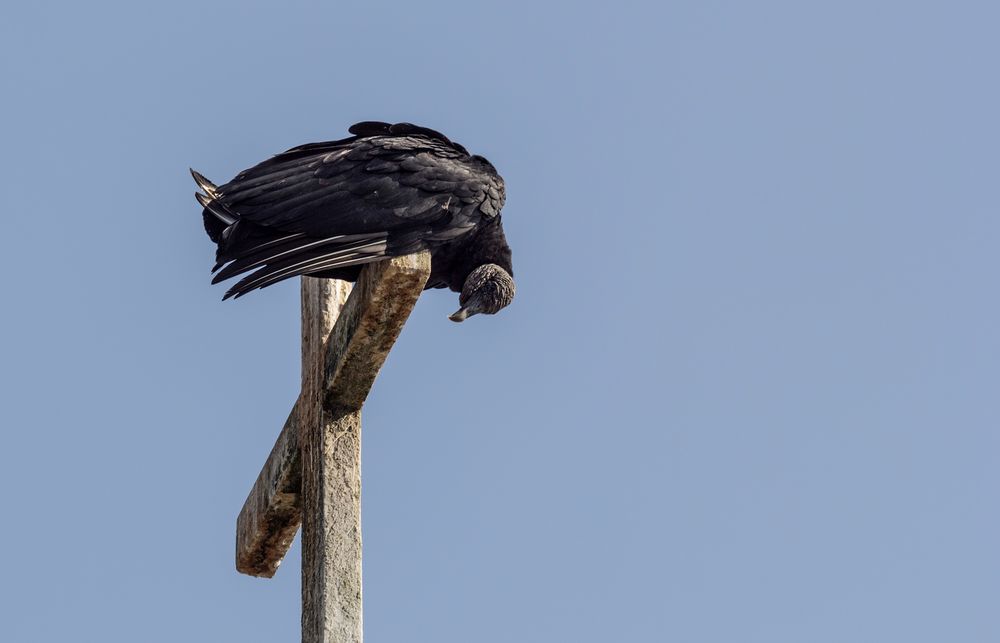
325,209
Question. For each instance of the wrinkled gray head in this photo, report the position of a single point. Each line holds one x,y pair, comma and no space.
487,289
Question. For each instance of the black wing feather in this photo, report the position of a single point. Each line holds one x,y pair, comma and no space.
323,192
315,259
292,246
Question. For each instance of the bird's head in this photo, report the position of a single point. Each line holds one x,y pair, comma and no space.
487,289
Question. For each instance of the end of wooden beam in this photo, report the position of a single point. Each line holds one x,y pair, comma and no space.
273,510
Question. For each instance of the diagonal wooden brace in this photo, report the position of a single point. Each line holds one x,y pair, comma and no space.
337,376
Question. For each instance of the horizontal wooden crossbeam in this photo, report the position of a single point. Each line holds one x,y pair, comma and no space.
364,332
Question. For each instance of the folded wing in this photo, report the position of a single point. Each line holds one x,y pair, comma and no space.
324,206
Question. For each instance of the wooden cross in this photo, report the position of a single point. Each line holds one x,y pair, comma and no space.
313,474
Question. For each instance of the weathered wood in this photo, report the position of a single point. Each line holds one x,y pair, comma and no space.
331,530
273,511
330,438
344,344
368,326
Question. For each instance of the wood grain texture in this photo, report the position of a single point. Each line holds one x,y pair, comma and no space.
331,530
368,326
272,512
330,438
313,473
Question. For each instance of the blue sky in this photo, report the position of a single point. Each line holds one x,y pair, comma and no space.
747,391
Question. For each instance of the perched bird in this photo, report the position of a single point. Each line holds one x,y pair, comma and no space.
325,209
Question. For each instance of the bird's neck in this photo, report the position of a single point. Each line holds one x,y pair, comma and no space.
489,245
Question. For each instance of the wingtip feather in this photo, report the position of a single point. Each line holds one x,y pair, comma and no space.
203,200
210,188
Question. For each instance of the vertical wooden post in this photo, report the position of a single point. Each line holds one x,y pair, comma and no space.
331,531
331,484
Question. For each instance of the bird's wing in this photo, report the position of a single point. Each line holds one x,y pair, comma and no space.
370,185
328,205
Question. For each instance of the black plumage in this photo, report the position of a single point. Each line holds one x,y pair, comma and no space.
326,209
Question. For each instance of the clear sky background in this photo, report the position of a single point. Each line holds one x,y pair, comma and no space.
748,390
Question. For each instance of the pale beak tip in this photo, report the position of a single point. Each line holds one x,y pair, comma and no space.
459,315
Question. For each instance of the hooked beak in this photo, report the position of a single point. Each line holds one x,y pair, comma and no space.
468,309
461,314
